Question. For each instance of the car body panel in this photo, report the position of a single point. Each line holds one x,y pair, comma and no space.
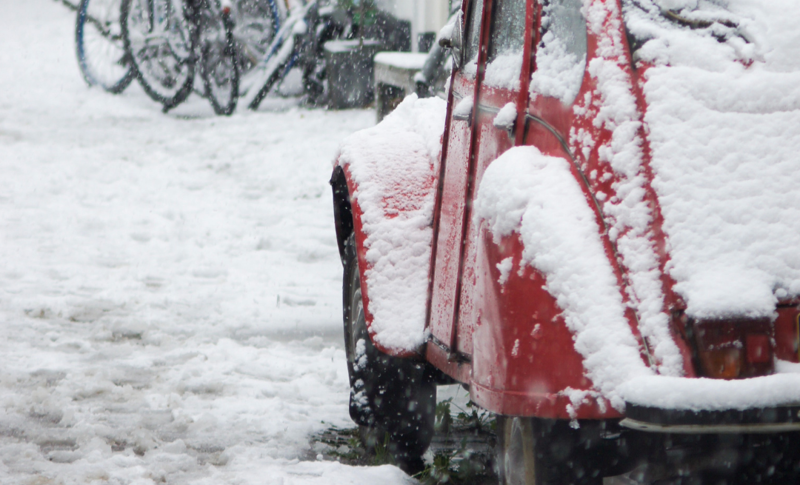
476,325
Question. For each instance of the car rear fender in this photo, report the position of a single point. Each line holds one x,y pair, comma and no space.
381,258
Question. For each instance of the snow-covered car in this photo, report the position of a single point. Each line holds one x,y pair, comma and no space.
597,233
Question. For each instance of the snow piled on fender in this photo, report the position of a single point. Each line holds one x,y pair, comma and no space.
537,196
393,168
724,120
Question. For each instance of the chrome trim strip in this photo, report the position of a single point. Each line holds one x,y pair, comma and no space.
765,428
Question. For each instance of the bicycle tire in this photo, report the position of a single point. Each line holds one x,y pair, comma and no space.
219,67
99,46
255,23
161,39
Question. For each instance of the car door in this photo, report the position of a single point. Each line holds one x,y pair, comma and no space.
496,113
492,75
449,218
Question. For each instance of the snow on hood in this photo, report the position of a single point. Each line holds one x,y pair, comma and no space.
537,196
723,114
393,167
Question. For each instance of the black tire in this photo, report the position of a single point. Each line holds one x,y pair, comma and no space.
517,462
390,397
160,38
219,67
533,451
99,46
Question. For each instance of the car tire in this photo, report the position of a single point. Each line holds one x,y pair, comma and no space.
392,399
533,451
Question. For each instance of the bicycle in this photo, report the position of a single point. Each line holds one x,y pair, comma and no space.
99,46
166,39
298,44
247,26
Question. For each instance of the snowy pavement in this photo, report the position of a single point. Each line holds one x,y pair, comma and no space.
170,289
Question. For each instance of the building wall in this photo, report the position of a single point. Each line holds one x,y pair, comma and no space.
425,15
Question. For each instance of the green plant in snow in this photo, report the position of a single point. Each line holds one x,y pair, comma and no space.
364,12
443,417
382,455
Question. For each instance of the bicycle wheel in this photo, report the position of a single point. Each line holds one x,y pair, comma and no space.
218,66
99,46
281,56
256,22
160,38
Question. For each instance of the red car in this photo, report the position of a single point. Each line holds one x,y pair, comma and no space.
596,233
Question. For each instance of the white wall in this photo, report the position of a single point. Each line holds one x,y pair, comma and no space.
425,15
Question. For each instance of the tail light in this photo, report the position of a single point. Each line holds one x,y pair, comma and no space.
733,348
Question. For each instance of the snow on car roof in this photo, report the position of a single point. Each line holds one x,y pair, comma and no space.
723,114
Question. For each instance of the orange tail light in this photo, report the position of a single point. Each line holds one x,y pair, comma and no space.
733,348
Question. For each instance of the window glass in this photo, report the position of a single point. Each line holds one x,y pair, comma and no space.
473,37
506,44
561,53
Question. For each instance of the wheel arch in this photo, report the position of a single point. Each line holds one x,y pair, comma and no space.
347,219
342,208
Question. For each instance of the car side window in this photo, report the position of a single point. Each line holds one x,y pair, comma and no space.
506,45
561,53
473,37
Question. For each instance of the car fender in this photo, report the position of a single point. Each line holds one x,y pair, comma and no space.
384,184
555,332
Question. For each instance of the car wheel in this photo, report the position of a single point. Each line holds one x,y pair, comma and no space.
516,459
534,451
392,399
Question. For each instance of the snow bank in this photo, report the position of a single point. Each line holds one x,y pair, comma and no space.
537,196
393,168
725,140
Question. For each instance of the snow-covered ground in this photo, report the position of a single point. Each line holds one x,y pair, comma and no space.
170,286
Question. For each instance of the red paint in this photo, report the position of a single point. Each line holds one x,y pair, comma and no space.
509,342
758,349
452,205
522,346
787,337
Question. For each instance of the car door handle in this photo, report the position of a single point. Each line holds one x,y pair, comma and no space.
462,116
